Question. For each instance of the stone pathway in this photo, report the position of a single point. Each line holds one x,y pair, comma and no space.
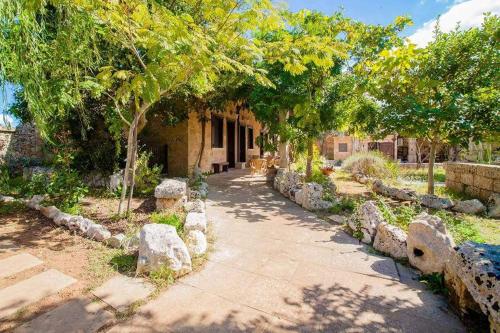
17,263
278,268
121,291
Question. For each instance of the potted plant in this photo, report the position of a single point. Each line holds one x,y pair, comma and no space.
327,170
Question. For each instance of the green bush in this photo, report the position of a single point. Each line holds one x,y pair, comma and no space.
372,164
172,219
344,205
146,177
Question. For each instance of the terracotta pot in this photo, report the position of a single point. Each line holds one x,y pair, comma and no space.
327,172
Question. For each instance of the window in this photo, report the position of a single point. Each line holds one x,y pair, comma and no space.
342,147
250,138
217,132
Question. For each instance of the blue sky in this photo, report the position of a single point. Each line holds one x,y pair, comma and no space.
423,13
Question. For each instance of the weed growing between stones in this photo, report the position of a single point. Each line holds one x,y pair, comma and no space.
175,220
435,283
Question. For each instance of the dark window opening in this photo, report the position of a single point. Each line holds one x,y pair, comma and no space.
343,147
217,132
250,138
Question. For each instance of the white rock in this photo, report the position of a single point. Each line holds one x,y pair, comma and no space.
35,201
161,246
473,206
62,218
196,242
116,241
339,219
98,232
170,189
49,212
132,244
428,244
433,201
390,240
494,205
313,197
196,221
299,197
197,206
6,198
366,221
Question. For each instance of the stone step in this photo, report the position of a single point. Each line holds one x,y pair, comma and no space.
26,292
17,263
122,291
77,315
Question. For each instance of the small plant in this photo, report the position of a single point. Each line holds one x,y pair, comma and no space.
162,277
124,263
345,205
461,229
372,164
173,219
435,283
146,177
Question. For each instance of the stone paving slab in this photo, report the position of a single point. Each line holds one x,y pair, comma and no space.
29,291
77,315
17,263
122,291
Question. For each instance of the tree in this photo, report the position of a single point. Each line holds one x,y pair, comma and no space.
137,52
446,92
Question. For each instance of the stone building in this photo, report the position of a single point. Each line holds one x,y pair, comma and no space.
23,141
230,141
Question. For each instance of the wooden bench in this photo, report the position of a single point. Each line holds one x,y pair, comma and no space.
221,167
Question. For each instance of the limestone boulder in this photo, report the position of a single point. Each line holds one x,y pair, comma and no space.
428,244
278,178
399,194
390,240
360,178
365,221
35,201
98,232
473,206
196,221
293,192
49,212
196,243
433,201
160,246
298,196
62,218
473,276
494,206
6,198
196,206
116,241
313,197
170,194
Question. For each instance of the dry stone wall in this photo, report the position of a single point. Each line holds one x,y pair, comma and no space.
477,180
21,142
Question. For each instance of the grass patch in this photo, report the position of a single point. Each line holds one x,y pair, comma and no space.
421,174
460,228
124,263
162,277
345,205
12,207
171,219
104,262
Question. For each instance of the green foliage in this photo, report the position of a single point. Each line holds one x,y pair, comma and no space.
460,228
435,283
146,177
12,207
422,174
171,219
162,277
124,263
344,205
373,164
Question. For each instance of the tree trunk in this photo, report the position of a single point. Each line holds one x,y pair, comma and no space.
430,174
133,163
127,167
202,148
310,152
283,146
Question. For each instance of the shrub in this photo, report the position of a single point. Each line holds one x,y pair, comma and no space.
372,164
345,205
173,219
146,177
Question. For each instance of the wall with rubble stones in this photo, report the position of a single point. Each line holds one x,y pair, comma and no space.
476,180
23,141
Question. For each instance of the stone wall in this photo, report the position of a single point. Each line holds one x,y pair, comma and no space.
476,180
21,142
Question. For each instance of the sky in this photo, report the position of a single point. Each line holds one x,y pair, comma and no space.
423,13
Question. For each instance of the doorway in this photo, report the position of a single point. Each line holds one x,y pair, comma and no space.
231,144
242,144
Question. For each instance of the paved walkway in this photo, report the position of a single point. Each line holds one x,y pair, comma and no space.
278,268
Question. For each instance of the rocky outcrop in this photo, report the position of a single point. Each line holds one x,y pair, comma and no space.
313,197
170,194
98,232
473,275
473,206
195,206
49,212
399,194
116,241
196,221
160,246
433,201
365,221
428,244
494,206
196,242
390,240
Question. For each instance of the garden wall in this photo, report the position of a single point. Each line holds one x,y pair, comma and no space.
476,180
21,142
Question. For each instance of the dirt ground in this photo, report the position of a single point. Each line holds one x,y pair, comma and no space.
347,186
27,231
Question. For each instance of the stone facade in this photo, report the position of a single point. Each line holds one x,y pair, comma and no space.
340,147
183,141
21,142
477,180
